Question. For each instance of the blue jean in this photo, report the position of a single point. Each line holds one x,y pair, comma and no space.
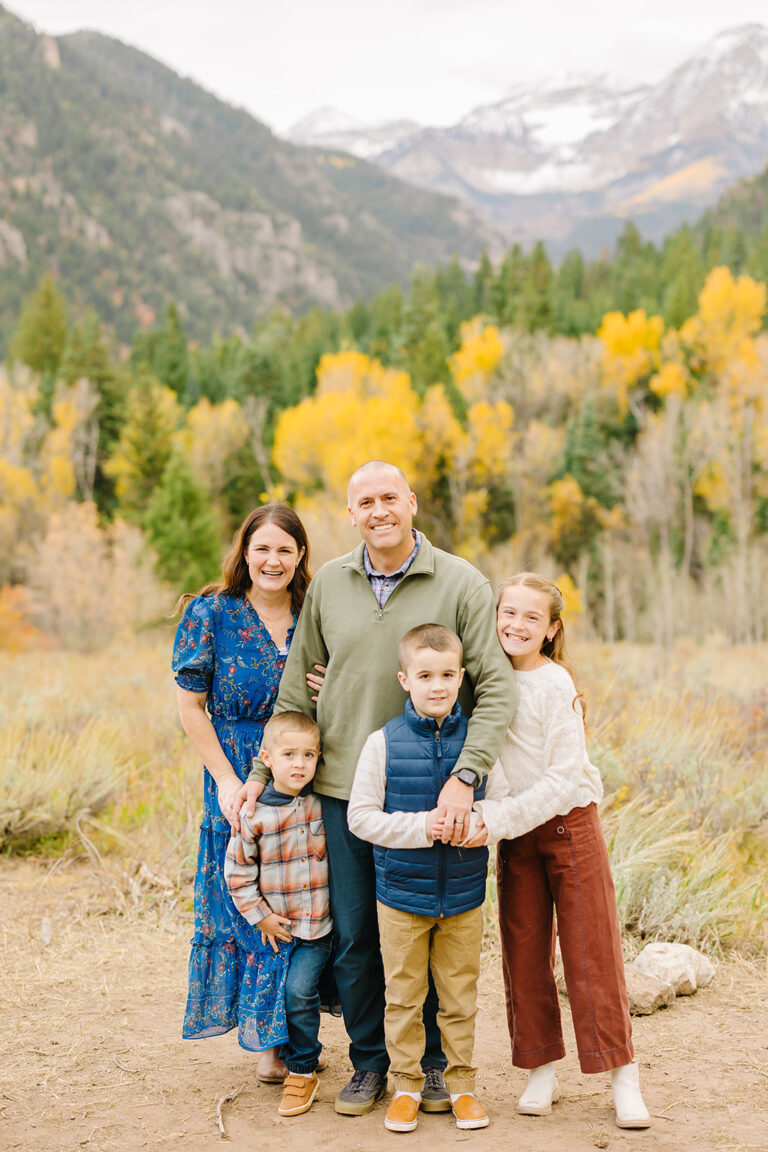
302,1003
358,968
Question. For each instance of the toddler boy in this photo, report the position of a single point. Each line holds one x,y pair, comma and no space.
276,870
429,894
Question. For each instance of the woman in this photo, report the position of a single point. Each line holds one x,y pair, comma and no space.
228,658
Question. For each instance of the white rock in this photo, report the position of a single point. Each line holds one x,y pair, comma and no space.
678,964
646,993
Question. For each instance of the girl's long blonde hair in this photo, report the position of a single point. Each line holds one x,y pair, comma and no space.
554,649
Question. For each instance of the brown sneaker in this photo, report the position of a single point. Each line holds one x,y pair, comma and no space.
298,1094
402,1114
469,1112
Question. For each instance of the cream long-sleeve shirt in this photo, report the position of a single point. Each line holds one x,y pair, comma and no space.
543,768
365,814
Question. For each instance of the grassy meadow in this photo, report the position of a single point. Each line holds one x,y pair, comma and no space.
93,763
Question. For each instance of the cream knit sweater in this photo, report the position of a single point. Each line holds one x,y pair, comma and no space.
543,769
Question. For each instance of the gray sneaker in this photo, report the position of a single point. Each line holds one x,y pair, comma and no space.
361,1093
434,1094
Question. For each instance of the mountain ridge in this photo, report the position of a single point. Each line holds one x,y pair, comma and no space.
135,185
565,160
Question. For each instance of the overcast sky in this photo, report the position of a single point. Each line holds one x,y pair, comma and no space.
431,60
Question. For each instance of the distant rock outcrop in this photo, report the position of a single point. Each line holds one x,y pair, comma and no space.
138,186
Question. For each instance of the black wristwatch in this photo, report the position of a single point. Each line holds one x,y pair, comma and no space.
467,776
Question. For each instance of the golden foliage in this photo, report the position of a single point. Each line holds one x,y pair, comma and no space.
671,380
566,501
489,427
631,350
573,605
361,411
364,411
477,358
730,314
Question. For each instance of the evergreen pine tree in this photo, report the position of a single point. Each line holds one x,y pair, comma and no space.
507,286
144,448
42,332
172,359
422,340
481,286
535,310
182,528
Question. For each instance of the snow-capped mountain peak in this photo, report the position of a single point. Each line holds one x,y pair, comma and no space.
567,157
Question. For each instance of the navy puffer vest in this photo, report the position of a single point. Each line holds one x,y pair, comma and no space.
440,880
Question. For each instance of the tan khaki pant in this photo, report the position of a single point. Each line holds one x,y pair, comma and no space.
450,946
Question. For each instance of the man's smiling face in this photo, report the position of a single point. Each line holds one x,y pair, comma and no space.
382,508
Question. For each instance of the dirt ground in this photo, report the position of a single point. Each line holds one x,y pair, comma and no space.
91,1056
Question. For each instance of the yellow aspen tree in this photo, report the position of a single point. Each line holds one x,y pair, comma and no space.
360,411
631,352
477,358
729,315
443,440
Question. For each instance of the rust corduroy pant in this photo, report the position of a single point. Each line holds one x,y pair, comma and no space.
562,865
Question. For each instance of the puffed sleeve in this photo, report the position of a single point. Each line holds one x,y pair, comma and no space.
193,649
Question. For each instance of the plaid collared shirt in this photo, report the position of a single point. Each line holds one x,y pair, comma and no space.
384,585
278,863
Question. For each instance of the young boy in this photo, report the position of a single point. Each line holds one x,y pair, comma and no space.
276,871
429,894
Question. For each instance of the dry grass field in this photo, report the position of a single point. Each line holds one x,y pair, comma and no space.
99,797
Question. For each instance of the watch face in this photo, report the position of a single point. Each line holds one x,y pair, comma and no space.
467,776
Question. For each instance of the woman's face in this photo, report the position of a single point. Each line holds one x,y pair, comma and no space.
272,556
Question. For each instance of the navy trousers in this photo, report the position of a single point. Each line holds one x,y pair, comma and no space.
358,968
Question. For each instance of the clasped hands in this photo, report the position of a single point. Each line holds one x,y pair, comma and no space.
450,821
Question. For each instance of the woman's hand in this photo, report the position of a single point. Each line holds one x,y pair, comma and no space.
247,793
228,793
315,680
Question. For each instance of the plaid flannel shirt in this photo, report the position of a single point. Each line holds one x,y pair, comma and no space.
278,862
384,585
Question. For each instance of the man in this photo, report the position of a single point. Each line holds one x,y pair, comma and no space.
356,611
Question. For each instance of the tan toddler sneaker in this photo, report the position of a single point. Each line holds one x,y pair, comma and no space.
298,1094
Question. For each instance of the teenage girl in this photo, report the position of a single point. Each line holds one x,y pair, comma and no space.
541,805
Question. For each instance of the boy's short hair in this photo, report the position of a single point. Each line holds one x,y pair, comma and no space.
283,722
434,636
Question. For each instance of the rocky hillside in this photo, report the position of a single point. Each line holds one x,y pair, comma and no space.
569,163
135,185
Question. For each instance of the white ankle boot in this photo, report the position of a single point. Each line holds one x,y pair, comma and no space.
631,1111
541,1092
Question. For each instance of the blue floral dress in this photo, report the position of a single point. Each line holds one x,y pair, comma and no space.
223,648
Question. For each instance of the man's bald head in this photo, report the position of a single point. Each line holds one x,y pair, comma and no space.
372,466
